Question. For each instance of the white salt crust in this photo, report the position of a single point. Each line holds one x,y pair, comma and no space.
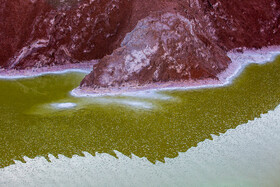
45,73
83,67
239,62
245,156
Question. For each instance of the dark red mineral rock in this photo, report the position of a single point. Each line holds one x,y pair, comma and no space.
138,41
186,40
36,33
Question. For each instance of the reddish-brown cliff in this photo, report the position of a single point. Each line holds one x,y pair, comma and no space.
250,23
137,41
44,32
210,28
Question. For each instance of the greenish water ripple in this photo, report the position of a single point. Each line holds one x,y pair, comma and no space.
30,127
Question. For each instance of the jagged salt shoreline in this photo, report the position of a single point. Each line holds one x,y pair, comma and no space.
212,162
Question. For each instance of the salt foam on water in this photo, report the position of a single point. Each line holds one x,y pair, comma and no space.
136,104
63,105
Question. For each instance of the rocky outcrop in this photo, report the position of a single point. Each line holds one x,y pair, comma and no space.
162,47
50,32
137,41
189,41
251,24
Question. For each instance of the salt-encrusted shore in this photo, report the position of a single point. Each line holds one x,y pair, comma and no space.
84,67
239,61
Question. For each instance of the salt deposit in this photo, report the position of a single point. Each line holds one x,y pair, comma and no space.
63,105
245,156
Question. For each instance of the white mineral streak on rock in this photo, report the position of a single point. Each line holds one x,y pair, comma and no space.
27,50
137,60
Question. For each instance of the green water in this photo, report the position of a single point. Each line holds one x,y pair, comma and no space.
30,126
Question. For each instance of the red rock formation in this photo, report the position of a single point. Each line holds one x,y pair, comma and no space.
215,25
16,19
249,23
137,41
162,47
39,33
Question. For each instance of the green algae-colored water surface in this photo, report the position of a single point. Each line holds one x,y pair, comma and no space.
154,128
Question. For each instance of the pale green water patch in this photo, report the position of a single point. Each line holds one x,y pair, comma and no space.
153,128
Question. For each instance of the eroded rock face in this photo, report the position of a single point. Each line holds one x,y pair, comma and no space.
162,47
47,32
190,43
137,41
240,23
